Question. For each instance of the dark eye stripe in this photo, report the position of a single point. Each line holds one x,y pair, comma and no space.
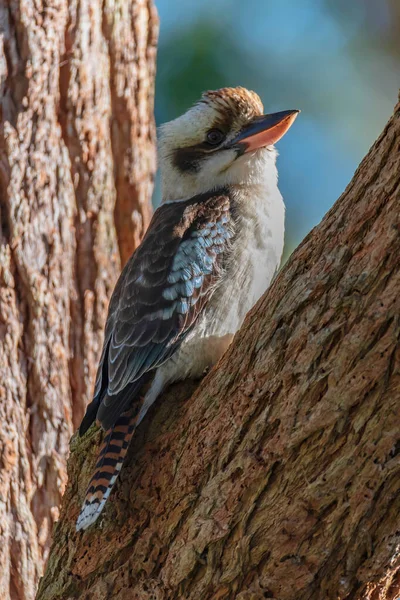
189,159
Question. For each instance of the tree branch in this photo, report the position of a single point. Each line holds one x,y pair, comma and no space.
279,476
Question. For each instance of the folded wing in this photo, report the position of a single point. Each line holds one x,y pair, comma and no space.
160,294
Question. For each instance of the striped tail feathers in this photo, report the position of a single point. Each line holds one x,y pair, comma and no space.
109,463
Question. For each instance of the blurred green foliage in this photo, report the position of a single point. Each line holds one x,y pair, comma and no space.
338,61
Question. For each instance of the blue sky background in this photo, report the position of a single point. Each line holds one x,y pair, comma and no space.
337,61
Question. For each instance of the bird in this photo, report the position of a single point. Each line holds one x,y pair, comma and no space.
210,252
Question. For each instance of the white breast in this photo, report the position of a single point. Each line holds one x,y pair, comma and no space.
256,255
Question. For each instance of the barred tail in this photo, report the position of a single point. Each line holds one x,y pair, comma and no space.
111,457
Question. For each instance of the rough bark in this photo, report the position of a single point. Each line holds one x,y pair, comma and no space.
76,166
280,476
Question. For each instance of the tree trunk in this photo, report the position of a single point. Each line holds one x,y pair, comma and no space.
280,476
76,166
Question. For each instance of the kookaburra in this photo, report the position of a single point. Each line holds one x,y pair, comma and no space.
210,252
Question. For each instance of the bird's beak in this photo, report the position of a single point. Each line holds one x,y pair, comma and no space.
264,131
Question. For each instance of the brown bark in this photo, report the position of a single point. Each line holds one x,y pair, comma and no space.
76,166
280,476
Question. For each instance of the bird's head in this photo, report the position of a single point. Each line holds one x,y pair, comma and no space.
224,139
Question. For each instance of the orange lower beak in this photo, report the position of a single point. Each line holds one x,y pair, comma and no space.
264,131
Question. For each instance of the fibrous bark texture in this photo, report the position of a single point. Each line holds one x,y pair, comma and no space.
280,476
76,166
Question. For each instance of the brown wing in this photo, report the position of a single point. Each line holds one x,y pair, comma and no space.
159,296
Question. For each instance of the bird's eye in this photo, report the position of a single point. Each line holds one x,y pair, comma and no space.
215,137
